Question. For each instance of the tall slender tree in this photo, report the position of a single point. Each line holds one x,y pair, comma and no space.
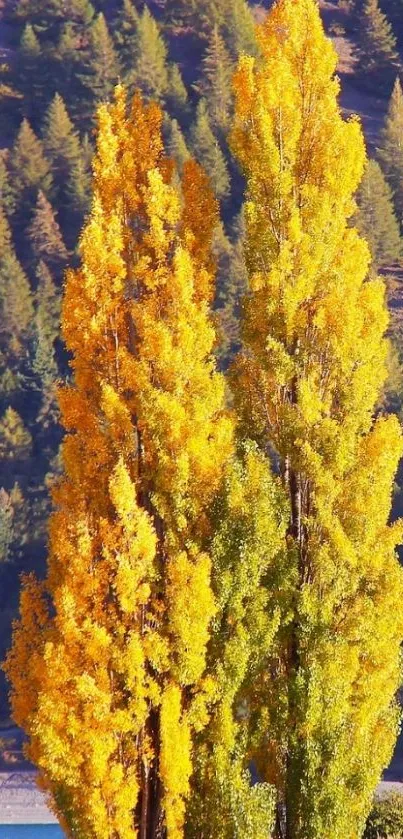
151,69
390,152
307,388
207,150
216,81
124,643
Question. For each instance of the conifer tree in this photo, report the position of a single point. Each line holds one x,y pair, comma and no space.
78,193
377,46
47,303
390,152
207,151
126,37
29,169
129,577
61,143
239,27
176,97
7,197
45,236
46,330
151,69
6,525
216,81
29,72
16,314
307,387
102,66
176,145
15,439
376,219
72,53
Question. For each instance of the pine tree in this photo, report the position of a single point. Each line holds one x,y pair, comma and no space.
45,236
6,525
239,28
29,170
207,151
390,152
72,54
78,196
129,577
151,69
61,143
216,82
376,220
47,303
102,66
30,76
126,38
377,46
46,330
176,97
175,143
7,197
15,439
16,311
307,388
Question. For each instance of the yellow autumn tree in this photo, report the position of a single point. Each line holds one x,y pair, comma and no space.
108,659
307,386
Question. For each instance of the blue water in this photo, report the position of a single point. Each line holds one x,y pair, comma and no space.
30,831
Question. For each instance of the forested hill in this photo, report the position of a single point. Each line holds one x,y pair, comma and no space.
59,60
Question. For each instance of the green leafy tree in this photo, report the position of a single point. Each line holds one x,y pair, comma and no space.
216,81
376,219
207,151
250,525
390,151
45,236
377,46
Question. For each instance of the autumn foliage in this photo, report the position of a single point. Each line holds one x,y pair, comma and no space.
223,596
307,387
108,680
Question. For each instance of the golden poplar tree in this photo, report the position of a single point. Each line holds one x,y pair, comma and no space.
307,387
108,659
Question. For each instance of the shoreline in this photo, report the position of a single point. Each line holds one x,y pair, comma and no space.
21,802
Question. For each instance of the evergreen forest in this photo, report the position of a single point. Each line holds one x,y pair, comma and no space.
201,400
